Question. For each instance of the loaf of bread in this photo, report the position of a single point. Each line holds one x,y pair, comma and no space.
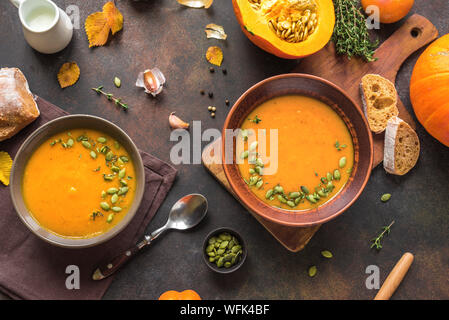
401,147
17,105
380,99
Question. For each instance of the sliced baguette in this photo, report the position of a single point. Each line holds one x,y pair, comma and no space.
380,100
401,147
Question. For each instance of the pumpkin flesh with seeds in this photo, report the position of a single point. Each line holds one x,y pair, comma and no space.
289,29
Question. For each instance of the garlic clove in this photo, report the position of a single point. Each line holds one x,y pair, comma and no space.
176,122
152,80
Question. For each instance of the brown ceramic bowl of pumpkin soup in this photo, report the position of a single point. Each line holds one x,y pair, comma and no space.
297,150
77,181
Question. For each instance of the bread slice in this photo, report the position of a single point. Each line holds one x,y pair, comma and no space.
380,100
17,105
401,147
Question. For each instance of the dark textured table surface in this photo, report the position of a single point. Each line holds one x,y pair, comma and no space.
164,34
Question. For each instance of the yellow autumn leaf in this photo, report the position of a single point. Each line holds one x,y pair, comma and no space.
5,167
68,74
115,18
214,55
97,29
98,24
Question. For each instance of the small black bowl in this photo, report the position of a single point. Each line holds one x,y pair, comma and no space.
213,266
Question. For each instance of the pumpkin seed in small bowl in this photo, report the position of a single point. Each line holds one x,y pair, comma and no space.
224,250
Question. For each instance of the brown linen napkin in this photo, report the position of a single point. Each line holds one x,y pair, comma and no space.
30,268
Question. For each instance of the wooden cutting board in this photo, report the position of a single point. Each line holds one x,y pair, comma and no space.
416,32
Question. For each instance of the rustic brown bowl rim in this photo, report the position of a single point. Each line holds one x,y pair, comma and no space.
35,139
258,211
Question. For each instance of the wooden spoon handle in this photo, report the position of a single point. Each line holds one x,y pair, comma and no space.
395,277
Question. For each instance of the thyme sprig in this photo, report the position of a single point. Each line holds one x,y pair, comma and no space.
111,97
376,242
351,36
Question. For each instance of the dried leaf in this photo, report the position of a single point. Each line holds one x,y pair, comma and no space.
115,18
99,24
215,31
176,122
97,29
68,74
196,3
5,167
214,55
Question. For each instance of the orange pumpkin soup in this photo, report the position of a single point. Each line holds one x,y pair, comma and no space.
315,153
79,184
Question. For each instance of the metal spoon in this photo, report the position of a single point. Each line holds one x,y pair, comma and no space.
186,213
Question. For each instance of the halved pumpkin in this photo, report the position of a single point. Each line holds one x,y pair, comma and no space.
289,29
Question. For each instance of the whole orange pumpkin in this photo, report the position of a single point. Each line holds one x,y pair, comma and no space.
184,295
429,89
390,10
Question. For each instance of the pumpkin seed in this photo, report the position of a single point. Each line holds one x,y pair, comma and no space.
326,254
124,159
291,203
116,209
269,194
244,154
70,142
253,146
305,189
337,175
123,182
312,271
385,197
342,162
104,205
117,82
278,189
294,194
103,194
122,173
259,184
112,190
282,199
108,177
259,162
114,198
252,171
329,176
123,190
115,168
258,170
311,198
93,155
109,156
110,218
86,144
102,139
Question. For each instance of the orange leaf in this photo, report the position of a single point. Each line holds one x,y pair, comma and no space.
214,55
98,24
68,74
115,18
97,29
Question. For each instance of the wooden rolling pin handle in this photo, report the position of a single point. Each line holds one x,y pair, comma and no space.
395,277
